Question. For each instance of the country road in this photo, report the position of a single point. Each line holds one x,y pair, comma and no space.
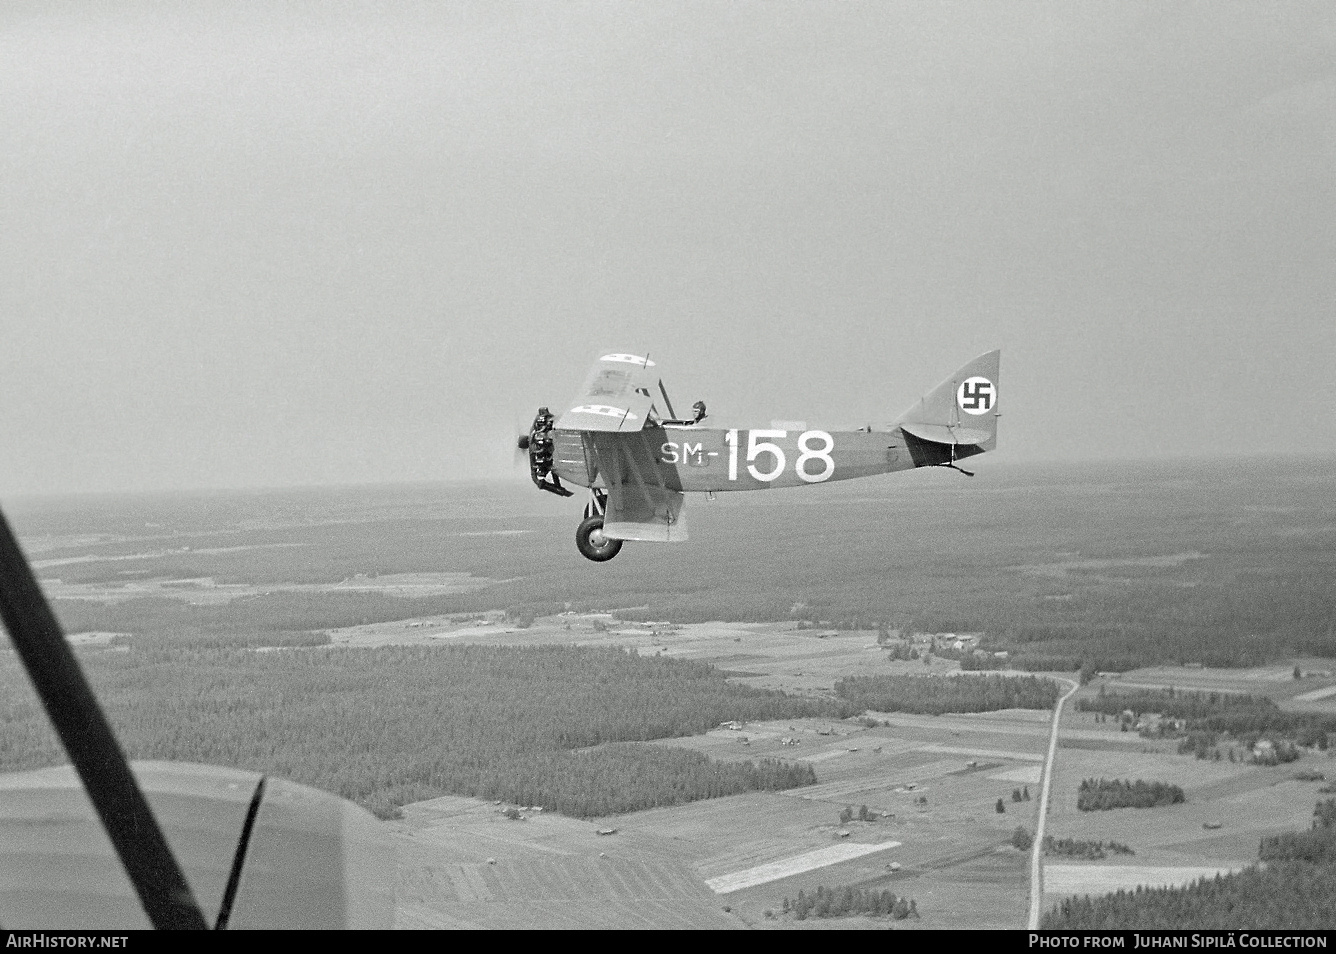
1036,872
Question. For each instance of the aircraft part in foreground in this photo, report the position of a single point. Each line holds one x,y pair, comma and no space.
257,851
160,844
638,462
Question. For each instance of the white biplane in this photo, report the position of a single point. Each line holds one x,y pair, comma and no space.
639,460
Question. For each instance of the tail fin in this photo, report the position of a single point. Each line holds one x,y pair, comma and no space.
962,411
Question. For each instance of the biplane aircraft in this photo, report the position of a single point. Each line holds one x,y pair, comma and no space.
639,460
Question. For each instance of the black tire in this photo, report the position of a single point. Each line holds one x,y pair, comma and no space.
591,542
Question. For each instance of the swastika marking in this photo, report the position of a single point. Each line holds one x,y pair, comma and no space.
976,395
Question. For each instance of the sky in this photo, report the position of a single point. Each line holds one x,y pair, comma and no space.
260,245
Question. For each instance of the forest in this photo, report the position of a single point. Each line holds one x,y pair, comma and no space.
935,696
1293,890
391,725
1103,794
1190,705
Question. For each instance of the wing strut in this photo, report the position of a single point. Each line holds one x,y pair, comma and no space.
640,480
88,739
664,391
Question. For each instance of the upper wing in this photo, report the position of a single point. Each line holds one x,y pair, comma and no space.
615,397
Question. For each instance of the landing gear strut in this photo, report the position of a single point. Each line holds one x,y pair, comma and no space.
589,538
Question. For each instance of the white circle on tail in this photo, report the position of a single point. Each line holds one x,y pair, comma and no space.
976,395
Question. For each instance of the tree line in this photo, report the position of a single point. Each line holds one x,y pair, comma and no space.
1207,716
1084,848
1190,705
935,695
1103,794
845,902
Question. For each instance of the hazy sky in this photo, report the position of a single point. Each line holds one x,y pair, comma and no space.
325,243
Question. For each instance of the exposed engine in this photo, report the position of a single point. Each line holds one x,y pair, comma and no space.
538,442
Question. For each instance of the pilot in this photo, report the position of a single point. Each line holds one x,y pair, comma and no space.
699,408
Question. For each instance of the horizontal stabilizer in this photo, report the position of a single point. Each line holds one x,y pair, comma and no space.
947,434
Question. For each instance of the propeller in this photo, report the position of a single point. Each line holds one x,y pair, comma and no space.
520,444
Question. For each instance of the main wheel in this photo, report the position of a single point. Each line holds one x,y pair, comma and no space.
592,543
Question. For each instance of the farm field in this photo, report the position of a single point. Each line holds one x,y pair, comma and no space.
1315,692
1240,802
673,856
464,865
1063,880
953,854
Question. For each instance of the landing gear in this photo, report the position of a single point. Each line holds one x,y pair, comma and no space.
589,538
592,543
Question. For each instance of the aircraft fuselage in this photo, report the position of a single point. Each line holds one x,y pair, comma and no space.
692,458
